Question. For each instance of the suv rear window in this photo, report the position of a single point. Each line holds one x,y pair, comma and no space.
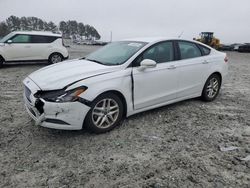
42,39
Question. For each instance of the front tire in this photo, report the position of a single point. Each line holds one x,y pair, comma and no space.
1,62
105,114
55,58
211,88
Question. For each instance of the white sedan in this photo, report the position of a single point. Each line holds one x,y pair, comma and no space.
121,79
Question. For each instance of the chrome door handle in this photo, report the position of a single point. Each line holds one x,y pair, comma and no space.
172,67
205,62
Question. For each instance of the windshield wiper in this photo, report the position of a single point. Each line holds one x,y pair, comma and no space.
93,60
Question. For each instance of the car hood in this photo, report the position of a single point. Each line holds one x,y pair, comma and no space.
59,75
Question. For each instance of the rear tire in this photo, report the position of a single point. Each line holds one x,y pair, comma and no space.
55,58
105,114
211,88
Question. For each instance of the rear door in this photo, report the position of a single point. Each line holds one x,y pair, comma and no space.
156,85
39,44
193,68
42,45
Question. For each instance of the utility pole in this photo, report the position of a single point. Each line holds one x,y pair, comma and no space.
181,34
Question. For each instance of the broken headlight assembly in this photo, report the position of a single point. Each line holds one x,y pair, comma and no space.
61,95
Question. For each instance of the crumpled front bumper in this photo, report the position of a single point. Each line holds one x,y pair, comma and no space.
67,116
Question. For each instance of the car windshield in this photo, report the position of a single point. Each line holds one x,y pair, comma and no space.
4,39
115,53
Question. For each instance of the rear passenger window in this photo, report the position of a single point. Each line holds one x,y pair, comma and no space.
189,50
42,39
206,51
160,53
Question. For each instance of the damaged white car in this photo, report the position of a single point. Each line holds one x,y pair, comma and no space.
121,79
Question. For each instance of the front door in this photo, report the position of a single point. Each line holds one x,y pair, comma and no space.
156,85
19,49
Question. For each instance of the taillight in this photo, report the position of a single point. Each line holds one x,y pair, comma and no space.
226,59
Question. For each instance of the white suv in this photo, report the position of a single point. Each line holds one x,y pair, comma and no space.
32,46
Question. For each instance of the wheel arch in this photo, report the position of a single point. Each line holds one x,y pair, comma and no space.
55,53
121,96
2,58
217,73
214,73
203,93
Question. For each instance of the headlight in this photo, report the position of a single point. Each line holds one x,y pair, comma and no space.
61,95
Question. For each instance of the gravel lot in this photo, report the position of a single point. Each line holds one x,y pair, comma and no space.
173,146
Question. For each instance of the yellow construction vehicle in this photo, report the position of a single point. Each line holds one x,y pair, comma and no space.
209,39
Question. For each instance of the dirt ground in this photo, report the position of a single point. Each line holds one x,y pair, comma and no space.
173,146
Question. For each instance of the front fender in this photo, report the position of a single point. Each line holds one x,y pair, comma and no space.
115,81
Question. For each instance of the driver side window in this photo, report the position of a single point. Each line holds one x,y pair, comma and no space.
161,53
21,39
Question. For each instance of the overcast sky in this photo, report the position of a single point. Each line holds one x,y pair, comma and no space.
229,19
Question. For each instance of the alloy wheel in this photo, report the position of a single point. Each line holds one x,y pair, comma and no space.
56,58
105,113
212,87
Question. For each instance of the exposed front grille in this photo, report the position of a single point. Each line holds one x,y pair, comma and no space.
39,106
27,93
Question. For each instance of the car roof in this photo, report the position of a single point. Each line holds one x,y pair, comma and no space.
44,33
146,39
155,39
152,40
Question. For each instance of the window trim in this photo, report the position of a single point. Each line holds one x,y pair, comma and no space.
56,37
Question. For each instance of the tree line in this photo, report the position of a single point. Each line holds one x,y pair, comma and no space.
69,29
